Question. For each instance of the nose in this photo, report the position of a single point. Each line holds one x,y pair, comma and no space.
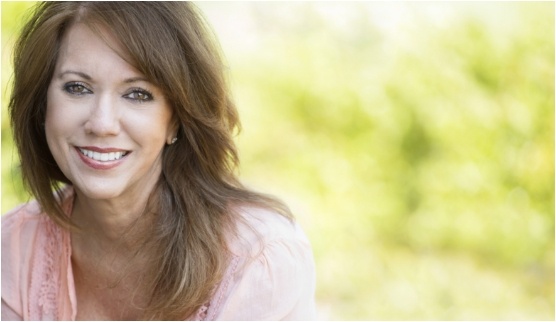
104,118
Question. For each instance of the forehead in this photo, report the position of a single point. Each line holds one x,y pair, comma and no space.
86,45
80,36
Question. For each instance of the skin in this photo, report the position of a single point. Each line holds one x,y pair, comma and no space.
98,101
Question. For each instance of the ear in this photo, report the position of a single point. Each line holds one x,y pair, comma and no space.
172,132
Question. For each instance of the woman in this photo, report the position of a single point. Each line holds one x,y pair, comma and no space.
124,125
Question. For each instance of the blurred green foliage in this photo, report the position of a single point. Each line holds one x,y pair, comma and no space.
414,141
13,14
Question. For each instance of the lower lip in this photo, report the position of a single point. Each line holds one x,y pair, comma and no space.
99,165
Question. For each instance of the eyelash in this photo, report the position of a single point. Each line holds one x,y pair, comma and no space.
72,86
141,91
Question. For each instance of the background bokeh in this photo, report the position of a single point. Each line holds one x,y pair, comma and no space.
414,141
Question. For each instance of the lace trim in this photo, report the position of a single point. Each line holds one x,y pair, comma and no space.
202,312
216,301
54,251
45,281
209,310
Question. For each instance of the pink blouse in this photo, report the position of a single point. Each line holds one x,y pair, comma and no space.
273,281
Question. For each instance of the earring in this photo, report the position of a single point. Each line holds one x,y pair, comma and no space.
173,141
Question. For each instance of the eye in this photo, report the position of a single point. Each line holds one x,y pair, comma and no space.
139,95
76,88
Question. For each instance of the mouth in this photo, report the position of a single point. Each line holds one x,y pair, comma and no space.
103,156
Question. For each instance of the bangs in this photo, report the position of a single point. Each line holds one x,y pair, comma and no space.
140,35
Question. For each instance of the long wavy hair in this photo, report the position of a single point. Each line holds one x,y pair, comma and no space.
170,43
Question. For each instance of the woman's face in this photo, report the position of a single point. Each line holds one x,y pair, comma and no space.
106,124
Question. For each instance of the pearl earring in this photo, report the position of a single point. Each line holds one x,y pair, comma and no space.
173,141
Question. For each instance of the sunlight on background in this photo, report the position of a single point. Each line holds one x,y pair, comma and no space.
414,141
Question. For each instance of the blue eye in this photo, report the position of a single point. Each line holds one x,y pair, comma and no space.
139,95
76,88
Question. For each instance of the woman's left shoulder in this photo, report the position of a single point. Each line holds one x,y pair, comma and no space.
272,273
259,228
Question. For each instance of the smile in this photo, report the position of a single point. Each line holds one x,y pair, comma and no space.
103,157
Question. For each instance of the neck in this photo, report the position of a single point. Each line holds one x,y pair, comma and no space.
112,224
110,256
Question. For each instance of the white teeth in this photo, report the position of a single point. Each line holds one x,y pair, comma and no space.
103,157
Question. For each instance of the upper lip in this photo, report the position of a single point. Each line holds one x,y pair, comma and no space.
102,150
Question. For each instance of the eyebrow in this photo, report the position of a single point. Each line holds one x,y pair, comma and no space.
83,75
136,79
87,77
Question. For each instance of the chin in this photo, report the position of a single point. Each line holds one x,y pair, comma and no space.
99,192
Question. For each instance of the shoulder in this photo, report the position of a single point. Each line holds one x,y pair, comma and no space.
20,223
26,217
272,273
257,229
34,248
19,229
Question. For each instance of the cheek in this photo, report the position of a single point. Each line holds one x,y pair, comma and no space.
52,120
167,122
170,128
58,122
156,127
171,123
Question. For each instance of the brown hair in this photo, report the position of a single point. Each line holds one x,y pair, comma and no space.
172,46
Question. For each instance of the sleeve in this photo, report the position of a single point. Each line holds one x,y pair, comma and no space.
278,284
12,271
8,314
